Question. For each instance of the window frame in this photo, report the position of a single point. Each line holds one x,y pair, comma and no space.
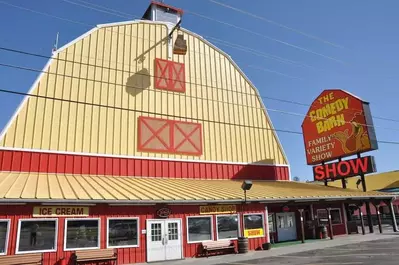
124,218
263,223
17,251
212,228
217,227
82,219
7,236
340,215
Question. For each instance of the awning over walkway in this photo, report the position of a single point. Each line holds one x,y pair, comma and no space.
37,187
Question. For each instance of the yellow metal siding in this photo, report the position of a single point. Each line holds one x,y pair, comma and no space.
86,187
114,66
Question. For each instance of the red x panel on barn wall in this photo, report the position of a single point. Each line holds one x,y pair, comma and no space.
170,75
169,136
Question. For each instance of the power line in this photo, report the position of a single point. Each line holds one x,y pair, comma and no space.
276,23
81,23
255,52
266,37
97,9
162,91
225,23
162,114
143,111
116,84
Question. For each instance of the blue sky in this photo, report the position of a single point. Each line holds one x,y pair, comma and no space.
366,63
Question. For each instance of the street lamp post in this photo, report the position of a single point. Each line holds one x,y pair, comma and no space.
242,240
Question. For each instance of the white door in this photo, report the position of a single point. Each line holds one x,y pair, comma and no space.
164,240
286,228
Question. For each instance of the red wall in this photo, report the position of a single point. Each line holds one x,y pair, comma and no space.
125,255
83,164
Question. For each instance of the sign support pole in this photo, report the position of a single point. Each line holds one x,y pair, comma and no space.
368,211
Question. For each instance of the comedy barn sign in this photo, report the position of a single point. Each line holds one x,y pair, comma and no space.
337,125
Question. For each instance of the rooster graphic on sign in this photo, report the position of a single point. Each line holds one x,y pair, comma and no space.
356,139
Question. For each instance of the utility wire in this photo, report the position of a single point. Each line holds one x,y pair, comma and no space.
231,25
266,37
140,88
161,114
170,79
276,23
259,53
81,23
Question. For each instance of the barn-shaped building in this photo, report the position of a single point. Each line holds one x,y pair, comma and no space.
127,143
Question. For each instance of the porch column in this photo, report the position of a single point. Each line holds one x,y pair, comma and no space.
393,217
345,217
377,210
302,225
313,222
267,225
330,223
361,218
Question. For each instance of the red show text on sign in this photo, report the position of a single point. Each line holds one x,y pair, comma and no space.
344,169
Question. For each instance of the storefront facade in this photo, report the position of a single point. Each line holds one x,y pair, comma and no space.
124,144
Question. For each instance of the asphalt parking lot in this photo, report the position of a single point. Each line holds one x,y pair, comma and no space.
381,252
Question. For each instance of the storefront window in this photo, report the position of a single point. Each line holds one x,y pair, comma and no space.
227,226
253,225
123,232
37,235
4,228
82,233
199,228
335,216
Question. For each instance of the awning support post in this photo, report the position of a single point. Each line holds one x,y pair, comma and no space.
330,223
361,218
302,226
377,210
393,217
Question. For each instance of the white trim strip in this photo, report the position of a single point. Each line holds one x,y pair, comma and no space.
138,157
181,202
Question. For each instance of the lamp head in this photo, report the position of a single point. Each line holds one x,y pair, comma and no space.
246,185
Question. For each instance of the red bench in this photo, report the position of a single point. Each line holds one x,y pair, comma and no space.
222,245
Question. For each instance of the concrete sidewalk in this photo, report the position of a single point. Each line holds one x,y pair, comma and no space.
252,255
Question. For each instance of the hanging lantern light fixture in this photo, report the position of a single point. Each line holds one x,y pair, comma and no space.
180,45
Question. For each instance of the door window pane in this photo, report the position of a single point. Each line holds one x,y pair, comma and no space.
199,229
122,232
290,220
82,234
173,233
271,222
37,235
253,225
3,236
156,232
227,226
